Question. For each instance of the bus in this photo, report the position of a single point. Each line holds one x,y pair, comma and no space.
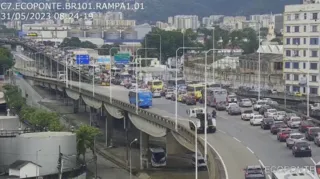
158,157
196,89
144,98
115,71
155,85
302,173
180,81
216,95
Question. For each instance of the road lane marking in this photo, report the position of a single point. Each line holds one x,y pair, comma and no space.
237,139
313,160
250,150
261,163
221,131
223,164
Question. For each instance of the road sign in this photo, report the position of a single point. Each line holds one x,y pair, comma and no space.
103,59
122,58
82,59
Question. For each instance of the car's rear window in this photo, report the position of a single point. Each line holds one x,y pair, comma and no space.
302,144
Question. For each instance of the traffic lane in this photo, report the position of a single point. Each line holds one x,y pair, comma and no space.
265,145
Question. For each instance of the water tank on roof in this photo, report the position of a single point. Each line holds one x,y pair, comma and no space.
130,34
112,34
75,33
94,33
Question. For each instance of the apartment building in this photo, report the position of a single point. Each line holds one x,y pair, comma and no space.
186,21
301,56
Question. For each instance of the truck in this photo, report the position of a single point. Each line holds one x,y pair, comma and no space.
199,121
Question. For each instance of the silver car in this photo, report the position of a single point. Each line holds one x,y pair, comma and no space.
316,140
168,94
156,94
292,138
234,110
245,103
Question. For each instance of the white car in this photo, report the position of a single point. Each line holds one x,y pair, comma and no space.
168,94
258,105
294,137
245,103
156,94
232,99
256,120
294,122
279,116
246,115
270,113
229,106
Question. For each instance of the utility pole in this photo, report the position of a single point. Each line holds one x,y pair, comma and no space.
60,163
95,157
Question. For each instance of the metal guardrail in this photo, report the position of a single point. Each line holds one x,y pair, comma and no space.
151,117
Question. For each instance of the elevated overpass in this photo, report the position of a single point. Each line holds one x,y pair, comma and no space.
222,161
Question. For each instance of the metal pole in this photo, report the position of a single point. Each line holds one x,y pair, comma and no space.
196,150
96,157
66,71
259,75
130,159
213,54
37,163
94,69
61,169
110,89
51,68
205,107
79,79
176,90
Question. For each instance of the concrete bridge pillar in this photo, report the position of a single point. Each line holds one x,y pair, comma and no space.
75,106
109,129
172,145
144,147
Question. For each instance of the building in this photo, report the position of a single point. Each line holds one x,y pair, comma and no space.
301,47
161,25
251,24
24,169
186,22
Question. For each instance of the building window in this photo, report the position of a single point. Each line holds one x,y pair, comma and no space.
304,53
314,91
288,41
296,16
296,41
313,66
314,28
296,28
288,53
314,78
288,76
287,88
295,65
304,28
313,41
295,53
304,41
296,88
287,65
288,28
304,65
314,53
305,16
289,17
314,16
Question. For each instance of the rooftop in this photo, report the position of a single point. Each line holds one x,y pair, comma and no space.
47,134
263,57
17,165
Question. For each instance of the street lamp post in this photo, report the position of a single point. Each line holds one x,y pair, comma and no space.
110,90
176,83
37,163
259,62
130,158
137,73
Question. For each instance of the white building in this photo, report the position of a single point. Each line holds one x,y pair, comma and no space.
24,169
301,47
186,21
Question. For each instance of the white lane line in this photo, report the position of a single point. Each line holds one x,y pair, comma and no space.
313,161
237,139
221,131
261,163
250,150
224,165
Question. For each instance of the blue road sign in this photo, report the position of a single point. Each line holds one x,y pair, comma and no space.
82,59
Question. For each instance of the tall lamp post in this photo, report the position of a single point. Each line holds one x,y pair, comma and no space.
259,64
37,163
137,73
110,90
130,158
176,83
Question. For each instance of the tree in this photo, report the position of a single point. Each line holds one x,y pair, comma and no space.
277,40
45,120
6,60
85,139
105,49
71,42
87,44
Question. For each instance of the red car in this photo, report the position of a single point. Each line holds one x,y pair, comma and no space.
305,125
283,134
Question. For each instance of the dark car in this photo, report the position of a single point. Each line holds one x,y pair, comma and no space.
304,125
221,106
190,100
301,148
266,123
275,127
234,110
264,109
116,81
254,172
312,132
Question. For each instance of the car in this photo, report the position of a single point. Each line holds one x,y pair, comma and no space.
266,123
259,104
283,134
221,106
270,113
316,140
279,116
292,138
254,171
202,166
311,133
294,122
246,115
256,120
232,99
234,110
173,96
184,98
301,147
245,103
305,124
264,109
156,94
288,116
275,126
190,100
168,94
230,105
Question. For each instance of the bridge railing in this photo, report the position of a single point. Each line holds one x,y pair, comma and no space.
214,163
